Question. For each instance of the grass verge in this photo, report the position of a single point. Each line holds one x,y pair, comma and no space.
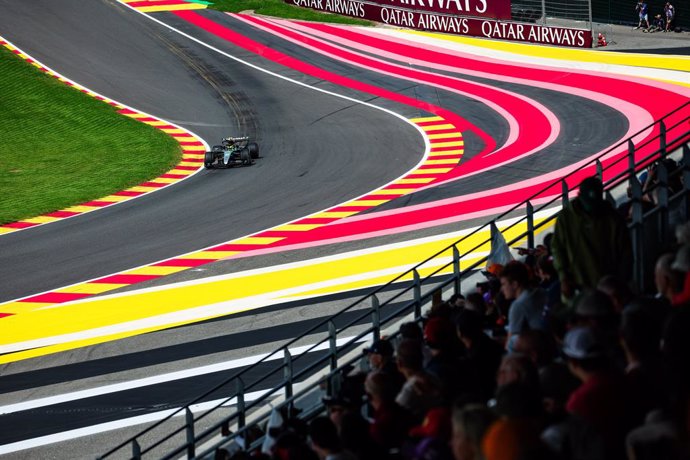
60,147
280,9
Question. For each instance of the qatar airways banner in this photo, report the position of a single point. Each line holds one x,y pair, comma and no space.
453,20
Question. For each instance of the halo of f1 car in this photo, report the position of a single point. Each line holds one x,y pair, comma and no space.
233,151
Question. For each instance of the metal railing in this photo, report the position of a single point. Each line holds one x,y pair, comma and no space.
305,377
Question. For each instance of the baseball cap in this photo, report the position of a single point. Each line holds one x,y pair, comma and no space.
493,271
593,303
381,347
582,343
438,332
436,424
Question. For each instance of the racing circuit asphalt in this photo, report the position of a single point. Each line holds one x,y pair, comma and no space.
310,141
318,150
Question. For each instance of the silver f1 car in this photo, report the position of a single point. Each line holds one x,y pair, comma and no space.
234,151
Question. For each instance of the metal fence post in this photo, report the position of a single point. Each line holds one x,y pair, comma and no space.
240,403
662,138
332,345
564,193
456,270
600,170
189,417
417,295
136,450
637,233
686,181
530,225
631,157
287,372
376,317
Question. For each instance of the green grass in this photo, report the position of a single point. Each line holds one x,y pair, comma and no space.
60,147
280,9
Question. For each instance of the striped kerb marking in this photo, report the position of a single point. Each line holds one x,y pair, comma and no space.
193,150
192,158
446,150
154,6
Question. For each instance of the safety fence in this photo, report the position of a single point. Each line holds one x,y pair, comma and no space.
300,375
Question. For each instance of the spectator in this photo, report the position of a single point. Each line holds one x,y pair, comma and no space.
538,346
421,390
670,13
599,403
594,309
590,240
640,337
658,24
667,280
324,440
355,437
390,422
548,281
433,435
527,310
381,359
515,435
444,363
681,263
291,446
557,384
517,368
470,423
617,290
347,401
641,9
483,354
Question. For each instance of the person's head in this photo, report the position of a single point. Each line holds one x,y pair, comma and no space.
516,367
585,352
618,291
667,280
591,194
594,308
456,300
323,437
380,388
411,330
291,446
380,352
537,345
469,326
519,400
514,279
470,423
640,334
439,333
475,302
545,269
409,357
557,384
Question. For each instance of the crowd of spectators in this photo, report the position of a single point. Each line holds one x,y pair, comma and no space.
555,355
660,22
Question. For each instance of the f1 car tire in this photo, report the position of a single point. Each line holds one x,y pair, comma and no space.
245,156
253,149
209,158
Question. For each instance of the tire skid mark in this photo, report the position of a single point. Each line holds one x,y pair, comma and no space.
193,149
